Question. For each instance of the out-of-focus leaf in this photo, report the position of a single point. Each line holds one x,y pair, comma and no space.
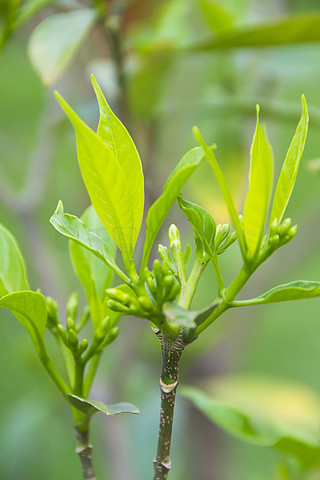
56,40
298,290
90,407
109,184
290,167
30,308
202,223
260,187
247,424
12,269
8,16
29,9
93,274
158,211
74,228
216,15
285,31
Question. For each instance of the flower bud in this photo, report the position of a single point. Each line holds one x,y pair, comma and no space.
52,313
284,227
221,234
63,334
145,304
70,324
116,306
72,338
274,242
83,346
72,306
157,270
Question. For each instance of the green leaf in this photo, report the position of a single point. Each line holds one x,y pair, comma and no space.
30,308
108,182
74,228
90,407
12,268
218,173
93,274
290,167
56,40
158,211
260,187
298,290
116,136
8,15
29,9
286,31
217,17
251,428
202,223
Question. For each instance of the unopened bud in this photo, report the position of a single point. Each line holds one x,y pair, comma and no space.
70,324
230,240
284,227
72,338
145,304
274,242
63,334
157,270
221,234
52,312
116,306
72,306
83,346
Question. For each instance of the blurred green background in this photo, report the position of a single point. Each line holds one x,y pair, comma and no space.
167,93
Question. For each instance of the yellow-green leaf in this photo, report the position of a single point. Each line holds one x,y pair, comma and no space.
12,268
260,186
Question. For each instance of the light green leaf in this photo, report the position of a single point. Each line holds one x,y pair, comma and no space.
290,167
202,223
74,228
158,211
8,15
29,9
93,274
30,308
298,290
260,187
251,428
56,40
286,31
90,407
216,15
218,173
12,268
108,184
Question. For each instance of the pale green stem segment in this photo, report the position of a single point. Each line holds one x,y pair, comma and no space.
217,271
189,288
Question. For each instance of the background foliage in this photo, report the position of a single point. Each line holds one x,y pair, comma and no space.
172,84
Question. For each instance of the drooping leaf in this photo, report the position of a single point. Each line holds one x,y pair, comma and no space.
254,429
90,407
116,136
56,40
298,290
285,31
202,223
12,268
158,211
260,187
74,228
218,173
93,274
108,183
216,15
30,308
290,167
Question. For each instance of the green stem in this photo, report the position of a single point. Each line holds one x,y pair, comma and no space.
84,450
171,354
189,289
217,271
92,368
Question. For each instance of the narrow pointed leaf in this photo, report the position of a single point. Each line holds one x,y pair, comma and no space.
115,135
216,15
12,268
30,308
298,290
202,223
158,211
218,173
90,407
56,40
260,187
290,167
74,228
108,184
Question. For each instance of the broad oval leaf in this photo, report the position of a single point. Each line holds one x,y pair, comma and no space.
56,40
30,308
202,223
108,182
298,290
290,167
260,187
90,407
74,228
159,209
12,268
94,275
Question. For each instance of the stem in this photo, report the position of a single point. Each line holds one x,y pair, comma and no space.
217,271
84,450
171,354
90,374
189,289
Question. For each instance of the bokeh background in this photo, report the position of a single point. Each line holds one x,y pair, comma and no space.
265,358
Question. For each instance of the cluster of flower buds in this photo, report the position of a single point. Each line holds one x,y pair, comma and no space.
161,283
280,234
127,303
223,238
70,338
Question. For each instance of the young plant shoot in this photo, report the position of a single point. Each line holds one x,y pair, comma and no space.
162,294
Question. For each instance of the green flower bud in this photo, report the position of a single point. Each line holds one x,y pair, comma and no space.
109,339
104,326
174,291
221,234
230,240
72,338
83,346
84,317
293,231
284,227
145,304
63,334
116,306
72,306
70,324
157,270
274,242
52,313
174,235
167,260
